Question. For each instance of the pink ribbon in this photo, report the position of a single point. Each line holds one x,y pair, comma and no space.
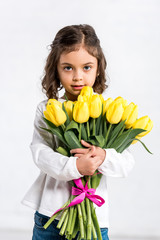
83,192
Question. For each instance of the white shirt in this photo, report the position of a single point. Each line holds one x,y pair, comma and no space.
52,188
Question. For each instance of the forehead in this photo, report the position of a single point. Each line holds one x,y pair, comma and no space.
80,55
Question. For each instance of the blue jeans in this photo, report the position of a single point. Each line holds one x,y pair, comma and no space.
52,233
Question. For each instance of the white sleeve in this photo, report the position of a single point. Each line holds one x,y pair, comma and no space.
117,164
47,160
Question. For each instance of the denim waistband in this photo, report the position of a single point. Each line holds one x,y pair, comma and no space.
43,218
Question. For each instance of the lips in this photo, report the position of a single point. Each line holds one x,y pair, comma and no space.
77,87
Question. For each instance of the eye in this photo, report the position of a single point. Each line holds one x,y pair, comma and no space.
68,68
87,68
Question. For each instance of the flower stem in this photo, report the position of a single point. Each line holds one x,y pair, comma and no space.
64,225
94,126
109,129
65,97
80,131
62,218
95,222
71,211
89,220
88,130
50,220
76,228
80,220
63,127
73,221
79,237
95,179
84,212
55,215
94,231
104,124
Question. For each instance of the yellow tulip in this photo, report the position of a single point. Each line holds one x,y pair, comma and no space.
54,101
121,100
102,98
95,106
54,113
87,92
114,112
69,108
82,98
81,112
106,104
130,114
144,123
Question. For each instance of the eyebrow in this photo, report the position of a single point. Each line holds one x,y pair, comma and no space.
65,63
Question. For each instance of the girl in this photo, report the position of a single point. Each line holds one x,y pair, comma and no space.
75,60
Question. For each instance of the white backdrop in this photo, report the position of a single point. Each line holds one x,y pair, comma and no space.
130,35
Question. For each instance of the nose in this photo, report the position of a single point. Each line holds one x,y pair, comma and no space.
77,75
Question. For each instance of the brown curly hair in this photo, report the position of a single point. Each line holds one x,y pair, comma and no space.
69,39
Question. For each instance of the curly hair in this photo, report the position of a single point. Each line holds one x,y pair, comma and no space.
69,39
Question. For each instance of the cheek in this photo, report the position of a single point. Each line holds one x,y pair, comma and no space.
63,77
65,80
92,79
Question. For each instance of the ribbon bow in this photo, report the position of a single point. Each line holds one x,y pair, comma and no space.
83,192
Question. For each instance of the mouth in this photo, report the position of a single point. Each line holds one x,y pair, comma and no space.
77,87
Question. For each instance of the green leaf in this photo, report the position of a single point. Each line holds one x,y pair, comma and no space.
50,124
93,140
68,120
63,151
95,179
120,140
124,146
84,132
90,124
100,139
46,129
135,132
143,145
124,139
56,131
97,140
99,123
72,140
115,133
104,125
72,125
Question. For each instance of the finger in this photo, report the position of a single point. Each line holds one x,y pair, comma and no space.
78,155
79,150
92,151
84,143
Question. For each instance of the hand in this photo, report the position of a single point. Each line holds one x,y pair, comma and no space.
78,152
89,159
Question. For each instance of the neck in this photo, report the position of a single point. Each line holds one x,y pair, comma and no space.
68,97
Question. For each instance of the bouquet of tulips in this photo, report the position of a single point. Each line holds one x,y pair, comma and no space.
104,123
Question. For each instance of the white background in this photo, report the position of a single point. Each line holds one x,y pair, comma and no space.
130,34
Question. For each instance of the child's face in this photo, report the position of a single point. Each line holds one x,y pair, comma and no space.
76,70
